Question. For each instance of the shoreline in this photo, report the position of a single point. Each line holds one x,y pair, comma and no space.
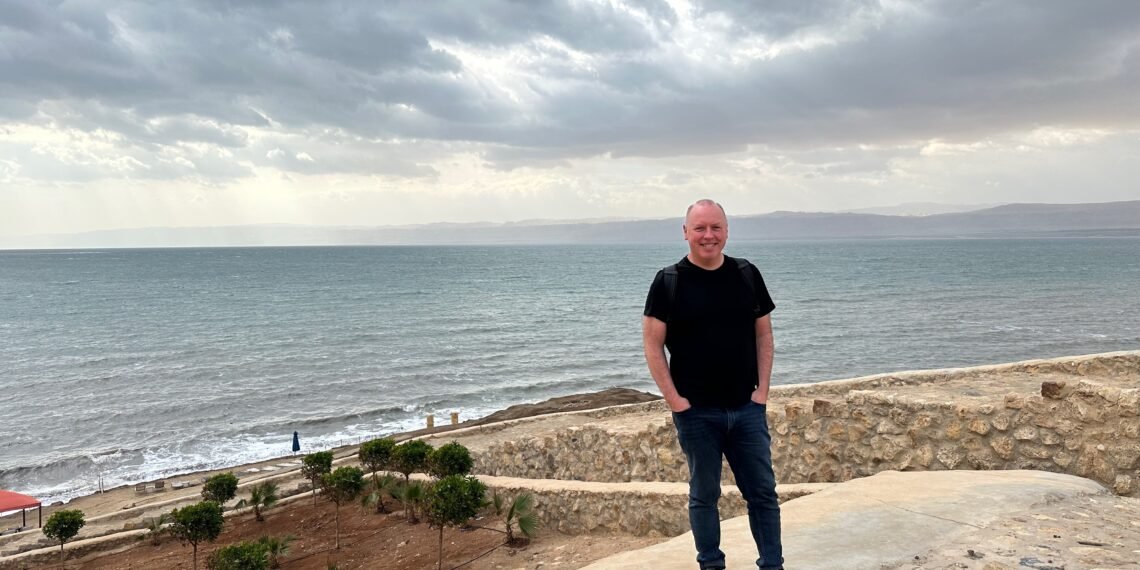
575,402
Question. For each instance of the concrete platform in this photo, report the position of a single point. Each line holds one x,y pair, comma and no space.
877,521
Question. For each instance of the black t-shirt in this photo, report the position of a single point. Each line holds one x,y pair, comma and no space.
711,331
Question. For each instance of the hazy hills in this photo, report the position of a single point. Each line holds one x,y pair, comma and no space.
1011,220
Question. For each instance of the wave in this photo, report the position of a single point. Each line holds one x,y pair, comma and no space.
366,416
64,468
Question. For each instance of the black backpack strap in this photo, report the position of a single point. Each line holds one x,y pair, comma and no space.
746,272
671,286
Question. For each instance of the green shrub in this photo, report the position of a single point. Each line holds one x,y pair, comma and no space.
240,556
220,488
276,547
450,459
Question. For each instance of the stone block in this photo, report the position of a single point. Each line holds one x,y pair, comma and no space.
1125,455
949,457
1025,433
1053,390
953,431
1130,428
890,428
823,408
924,455
979,426
982,461
922,421
1129,402
1122,485
1003,445
1034,451
813,431
1000,422
1014,401
797,414
899,415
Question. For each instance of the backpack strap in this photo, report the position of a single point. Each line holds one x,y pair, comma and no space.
671,287
746,272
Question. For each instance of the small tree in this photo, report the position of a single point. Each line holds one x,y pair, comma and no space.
220,488
342,486
452,501
261,496
276,547
62,526
450,459
240,556
314,466
410,457
197,523
376,455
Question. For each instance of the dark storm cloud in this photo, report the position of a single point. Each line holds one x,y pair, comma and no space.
586,78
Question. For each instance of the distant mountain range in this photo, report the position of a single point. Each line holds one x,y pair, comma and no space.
1010,220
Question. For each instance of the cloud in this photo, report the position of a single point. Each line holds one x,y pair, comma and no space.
544,84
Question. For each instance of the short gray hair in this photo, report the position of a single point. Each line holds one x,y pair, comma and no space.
704,202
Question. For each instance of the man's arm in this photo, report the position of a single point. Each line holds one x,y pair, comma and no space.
653,337
765,351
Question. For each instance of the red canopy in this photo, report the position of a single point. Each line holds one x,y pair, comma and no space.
10,501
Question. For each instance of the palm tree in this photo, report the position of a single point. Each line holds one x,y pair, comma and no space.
521,512
156,526
276,547
413,496
261,496
381,486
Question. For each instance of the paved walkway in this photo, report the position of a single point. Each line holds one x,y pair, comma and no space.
887,520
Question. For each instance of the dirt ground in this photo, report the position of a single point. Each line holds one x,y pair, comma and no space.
369,541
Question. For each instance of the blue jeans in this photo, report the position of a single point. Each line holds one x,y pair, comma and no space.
741,436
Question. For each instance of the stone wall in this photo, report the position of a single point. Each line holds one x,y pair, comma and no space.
640,509
836,431
1088,430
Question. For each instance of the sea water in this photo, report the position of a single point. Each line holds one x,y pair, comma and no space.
129,365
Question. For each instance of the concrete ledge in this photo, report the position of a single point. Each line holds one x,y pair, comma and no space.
876,522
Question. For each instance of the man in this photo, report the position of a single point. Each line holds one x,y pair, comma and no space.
713,313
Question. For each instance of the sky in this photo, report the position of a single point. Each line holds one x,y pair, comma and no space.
125,114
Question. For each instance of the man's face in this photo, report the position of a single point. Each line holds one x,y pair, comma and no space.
706,230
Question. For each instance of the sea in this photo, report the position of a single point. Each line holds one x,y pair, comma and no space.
123,366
